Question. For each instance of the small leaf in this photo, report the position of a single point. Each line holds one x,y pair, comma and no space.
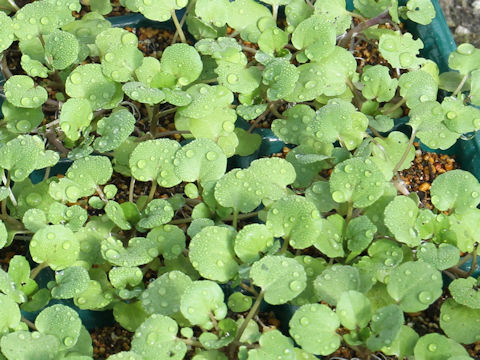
354,310
21,91
421,11
21,120
335,280
458,117
455,190
156,10
464,291
280,76
159,339
139,251
378,84
281,278
201,300
386,324
251,241
319,320
315,36
75,117
211,253
62,49
418,87
442,257
183,62
170,240
359,234
436,347
55,245
401,50
6,32
460,323
400,218
414,285
157,213
70,282
61,322
465,59
10,316
239,302
130,316
170,286
243,16
25,345
139,92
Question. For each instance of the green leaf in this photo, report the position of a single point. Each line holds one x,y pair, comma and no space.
456,190
121,277
319,320
139,92
119,64
156,10
295,12
139,251
10,316
125,355
415,285
8,287
21,91
6,32
25,345
458,117
358,181
335,280
75,117
316,37
61,49
462,227
201,160
183,62
157,338
244,15
354,310
247,143
461,323
3,234
295,219
332,243
421,11
319,194
61,322
170,240
112,38
335,13
280,76
55,245
239,302
114,130
235,189
70,282
130,316
378,84
403,344
101,92
251,241
211,253
115,213
464,291
359,234
170,286
33,67
339,120
400,218
201,300
475,91
438,347
213,12
272,40
465,59
386,323
418,87
21,120
226,334
238,77
281,278
161,167
371,8
400,50
157,213
313,267
101,6
442,257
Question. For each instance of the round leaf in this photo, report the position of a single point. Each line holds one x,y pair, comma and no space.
75,116
114,130
21,91
465,292
251,241
335,280
460,323
70,282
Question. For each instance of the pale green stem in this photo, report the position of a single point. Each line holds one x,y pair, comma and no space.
253,311
284,248
235,219
460,86
178,26
131,189
47,173
184,18
170,133
35,271
473,267
405,153
152,190
191,342
29,323
101,194
275,11
395,107
165,112
14,5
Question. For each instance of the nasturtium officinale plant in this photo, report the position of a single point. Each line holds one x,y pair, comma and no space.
117,165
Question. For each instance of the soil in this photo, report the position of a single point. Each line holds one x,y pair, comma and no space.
110,340
463,18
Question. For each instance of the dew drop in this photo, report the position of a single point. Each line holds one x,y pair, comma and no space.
425,297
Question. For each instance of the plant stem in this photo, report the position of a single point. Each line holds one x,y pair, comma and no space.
35,271
458,272
379,19
355,15
357,95
191,342
131,189
284,248
47,173
52,139
464,260
5,70
407,150
460,86
184,18
174,132
178,26
235,219
151,194
14,5
250,289
473,267
275,11
29,323
259,119
253,311
101,194
165,112
395,107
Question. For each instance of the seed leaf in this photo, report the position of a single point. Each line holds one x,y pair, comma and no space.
251,241
157,213
55,245
458,117
153,159
70,282
360,232
386,323
182,62
435,347
296,219
465,59
354,310
170,240
418,87
461,323
400,218
62,48
280,76
158,338
139,251
75,117
335,280
442,257
415,285
6,31
202,299
244,15
21,91
211,253
464,291
281,278
456,190
378,84
316,37
319,320
358,181
421,11
25,345
400,50
156,10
